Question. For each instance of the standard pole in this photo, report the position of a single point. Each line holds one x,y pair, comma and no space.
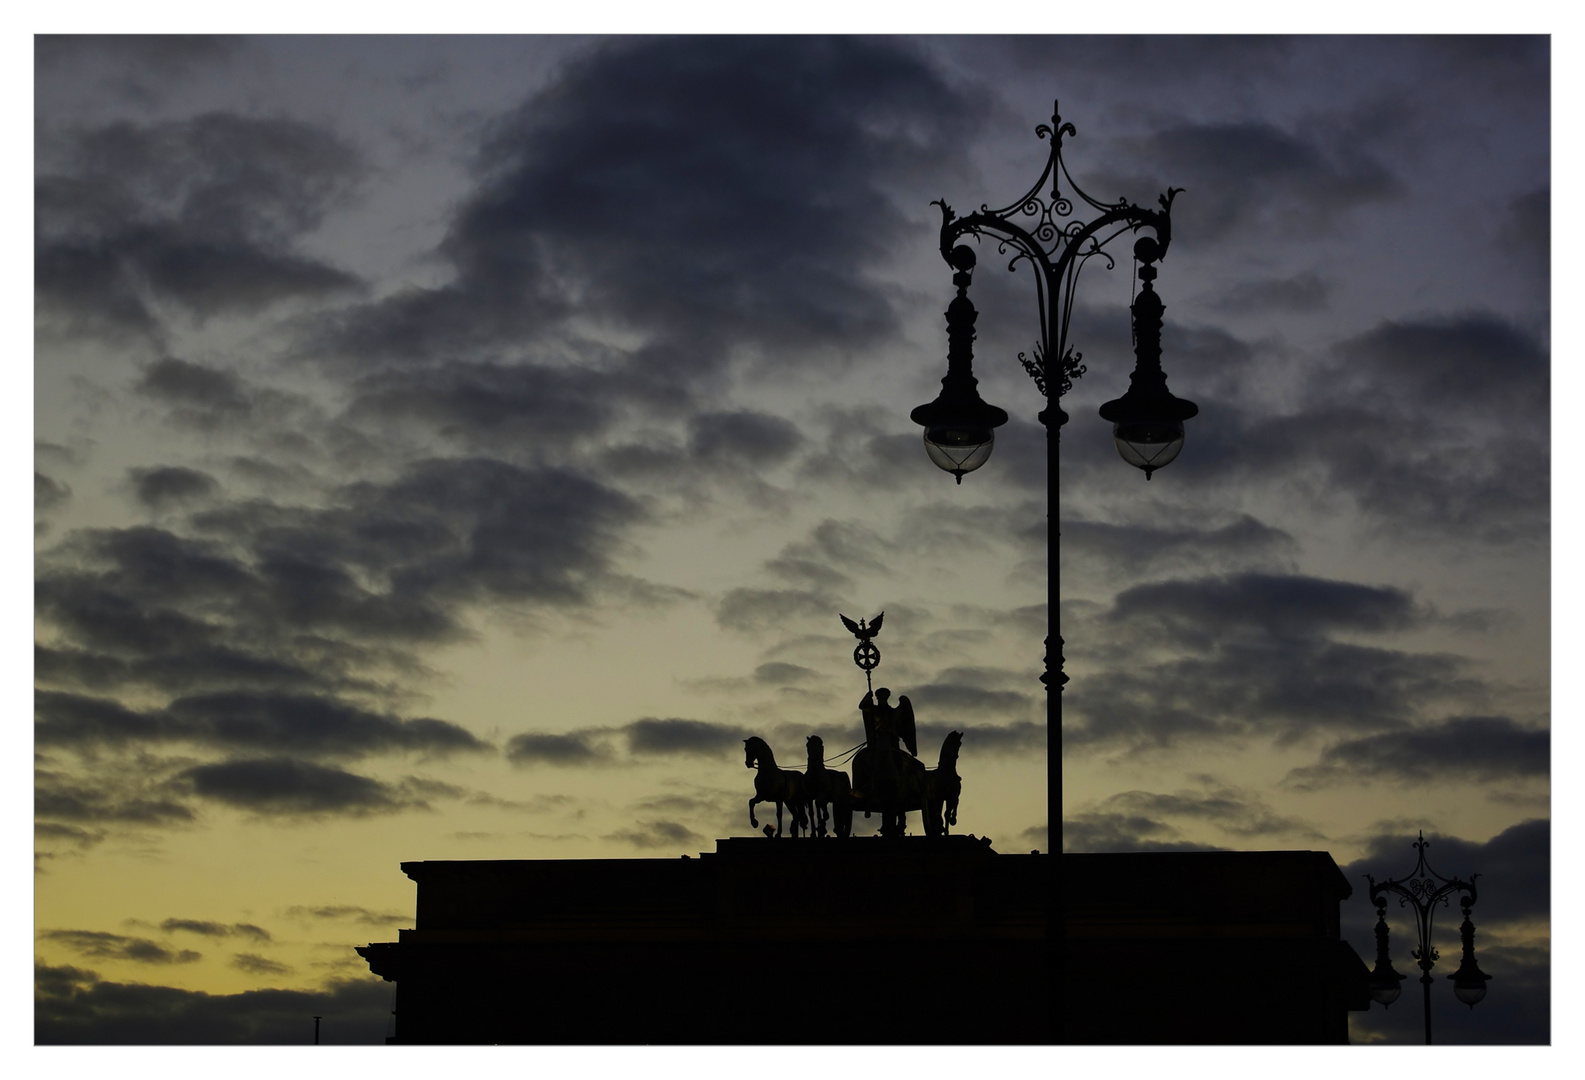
1056,910
1425,983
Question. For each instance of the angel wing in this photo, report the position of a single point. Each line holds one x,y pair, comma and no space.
875,624
849,623
904,720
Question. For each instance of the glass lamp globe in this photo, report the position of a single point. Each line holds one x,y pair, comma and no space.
1148,444
1384,993
1469,982
959,448
1470,993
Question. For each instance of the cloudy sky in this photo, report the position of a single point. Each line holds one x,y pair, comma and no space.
454,448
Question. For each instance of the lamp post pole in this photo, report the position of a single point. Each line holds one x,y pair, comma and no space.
1422,889
1042,230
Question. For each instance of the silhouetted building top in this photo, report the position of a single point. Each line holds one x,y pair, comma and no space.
907,940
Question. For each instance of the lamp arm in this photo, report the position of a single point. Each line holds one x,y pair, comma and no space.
1055,281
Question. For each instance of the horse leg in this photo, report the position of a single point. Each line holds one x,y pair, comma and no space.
752,823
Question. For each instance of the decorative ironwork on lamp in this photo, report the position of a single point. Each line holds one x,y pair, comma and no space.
1421,890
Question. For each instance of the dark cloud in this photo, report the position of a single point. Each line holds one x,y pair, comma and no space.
1235,812
787,140
166,485
133,795
656,834
215,929
75,1007
48,493
200,213
290,723
313,725
1023,739
267,618
1150,59
577,748
49,830
360,915
1457,367
1516,67
484,530
1282,606
178,671
1253,174
196,926
781,674
1289,689
1527,232
1137,549
755,610
1433,428
1122,832
739,439
1227,657
1482,748
490,406
181,382
164,54
675,736
254,964
56,454
646,736
107,946
213,400
286,787
682,804
1301,292
967,701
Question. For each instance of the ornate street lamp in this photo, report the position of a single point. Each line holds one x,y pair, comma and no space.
1421,890
1147,421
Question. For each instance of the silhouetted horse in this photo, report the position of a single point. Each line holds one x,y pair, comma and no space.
942,789
775,785
830,794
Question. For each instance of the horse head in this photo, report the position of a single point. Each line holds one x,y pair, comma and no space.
817,749
950,747
756,751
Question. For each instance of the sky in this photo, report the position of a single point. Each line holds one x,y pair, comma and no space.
453,448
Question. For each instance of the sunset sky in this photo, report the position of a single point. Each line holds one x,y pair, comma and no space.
453,448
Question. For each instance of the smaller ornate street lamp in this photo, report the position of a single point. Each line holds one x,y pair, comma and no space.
1422,889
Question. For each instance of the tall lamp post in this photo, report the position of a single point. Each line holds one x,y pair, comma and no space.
1147,421
1422,889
